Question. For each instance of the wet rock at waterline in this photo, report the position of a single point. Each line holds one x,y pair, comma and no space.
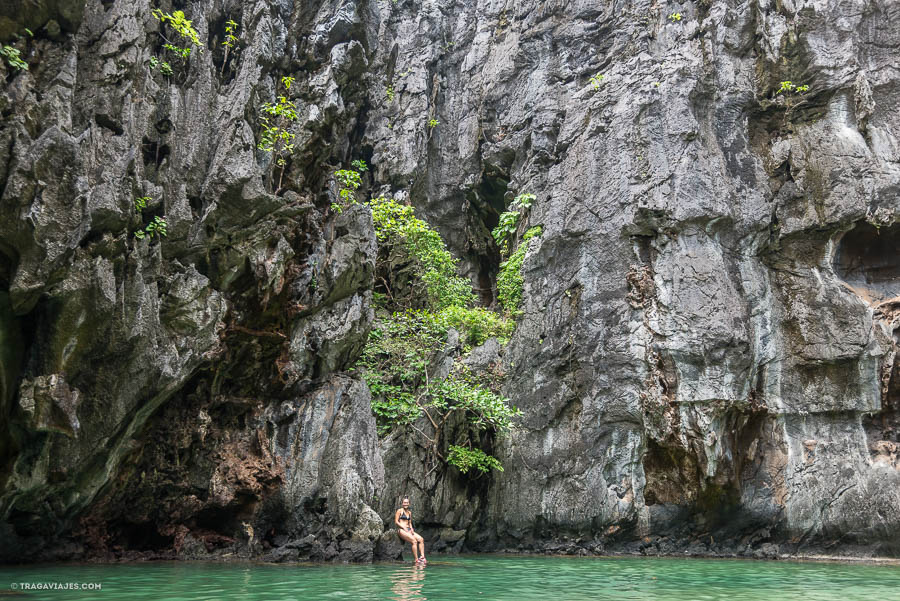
706,359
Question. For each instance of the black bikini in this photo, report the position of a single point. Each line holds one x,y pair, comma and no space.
406,517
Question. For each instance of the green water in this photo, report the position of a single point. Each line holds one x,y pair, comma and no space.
472,577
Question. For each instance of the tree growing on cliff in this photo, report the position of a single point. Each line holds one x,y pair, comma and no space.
422,300
184,28
276,138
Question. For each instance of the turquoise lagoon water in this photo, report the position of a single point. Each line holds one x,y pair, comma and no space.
491,577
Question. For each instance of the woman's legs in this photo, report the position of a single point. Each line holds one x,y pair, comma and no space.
411,539
421,542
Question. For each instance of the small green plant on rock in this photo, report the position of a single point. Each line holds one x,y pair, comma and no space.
597,79
157,227
788,87
184,53
13,57
348,183
275,137
230,43
359,165
432,123
182,26
675,17
389,93
230,39
510,282
509,221
162,66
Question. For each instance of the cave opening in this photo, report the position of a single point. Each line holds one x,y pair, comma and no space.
867,258
144,536
488,198
487,201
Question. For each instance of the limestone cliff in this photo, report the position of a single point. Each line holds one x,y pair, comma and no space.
706,361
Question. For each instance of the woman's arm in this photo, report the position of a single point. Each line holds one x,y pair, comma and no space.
397,519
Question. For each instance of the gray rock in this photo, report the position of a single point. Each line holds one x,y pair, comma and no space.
707,348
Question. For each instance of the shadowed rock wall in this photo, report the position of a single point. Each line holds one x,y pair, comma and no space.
706,361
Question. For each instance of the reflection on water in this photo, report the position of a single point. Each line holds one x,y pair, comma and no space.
497,578
408,582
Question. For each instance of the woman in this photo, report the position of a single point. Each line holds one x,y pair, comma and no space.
403,519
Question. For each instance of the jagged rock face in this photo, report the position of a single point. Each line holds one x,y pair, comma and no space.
703,364
707,346
180,395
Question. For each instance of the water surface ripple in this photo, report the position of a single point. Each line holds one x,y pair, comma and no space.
466,577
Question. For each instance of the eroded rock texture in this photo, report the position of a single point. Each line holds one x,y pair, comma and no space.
707,356
180,395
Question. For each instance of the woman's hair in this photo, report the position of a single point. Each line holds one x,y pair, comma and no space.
404,498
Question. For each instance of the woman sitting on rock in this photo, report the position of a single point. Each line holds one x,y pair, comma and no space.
403,519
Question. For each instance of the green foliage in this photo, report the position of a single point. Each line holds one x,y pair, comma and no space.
510,283
185,29
476,325
181,25
509,221
675,17
597,79
161,66
395,366
523,201
389,93
157,227
394,363
466,459
349,182
13,57
788,86
275,136
230,39
184,53
432,123
404,344
399,231
484,409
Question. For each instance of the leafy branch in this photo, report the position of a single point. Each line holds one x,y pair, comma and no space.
185,29
275,137
509,221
